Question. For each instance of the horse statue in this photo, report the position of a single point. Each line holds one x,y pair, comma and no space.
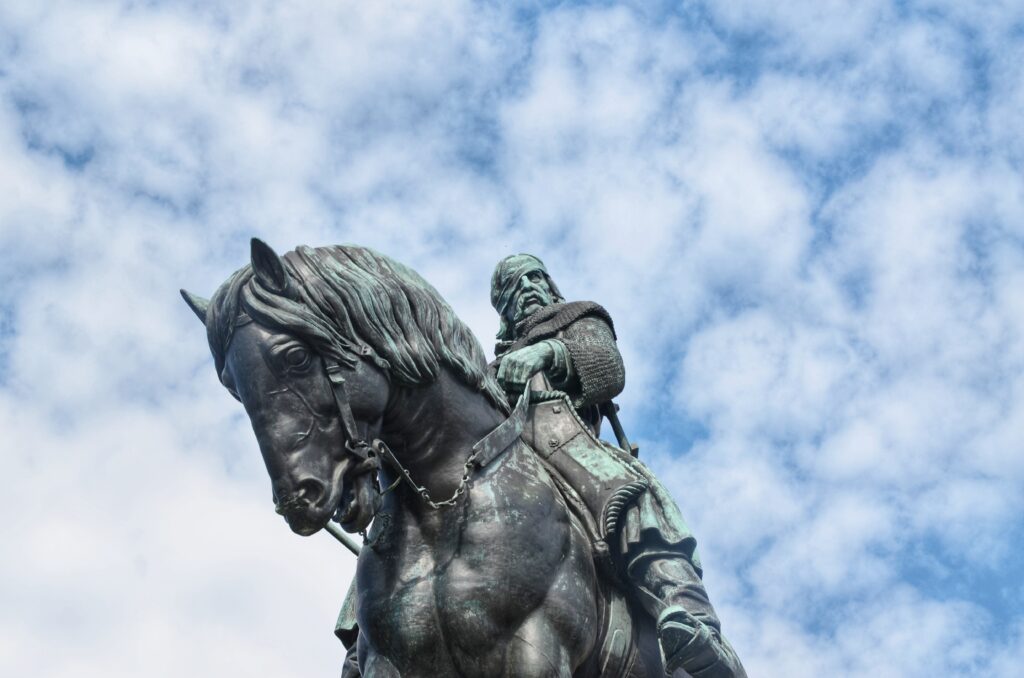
479,562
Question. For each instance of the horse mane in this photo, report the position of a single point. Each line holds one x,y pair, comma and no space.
344,297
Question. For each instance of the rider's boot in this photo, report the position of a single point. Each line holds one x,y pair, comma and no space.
688,628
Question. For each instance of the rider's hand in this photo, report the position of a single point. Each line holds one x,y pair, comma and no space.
517,367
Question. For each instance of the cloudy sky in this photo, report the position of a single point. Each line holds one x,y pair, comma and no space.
807,219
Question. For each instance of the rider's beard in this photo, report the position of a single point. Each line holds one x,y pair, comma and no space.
527,304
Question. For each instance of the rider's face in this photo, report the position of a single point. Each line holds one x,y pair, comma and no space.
532,294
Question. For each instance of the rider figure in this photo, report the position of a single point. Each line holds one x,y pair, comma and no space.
573,344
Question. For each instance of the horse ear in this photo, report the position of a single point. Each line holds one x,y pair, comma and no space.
197,304
269,267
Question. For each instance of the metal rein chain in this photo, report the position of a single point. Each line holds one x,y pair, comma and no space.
358,446
382,450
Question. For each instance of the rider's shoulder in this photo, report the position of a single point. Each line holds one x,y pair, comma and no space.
572,310
578,310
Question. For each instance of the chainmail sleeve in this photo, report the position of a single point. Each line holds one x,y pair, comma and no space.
595,361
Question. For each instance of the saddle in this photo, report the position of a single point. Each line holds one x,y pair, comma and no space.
598,483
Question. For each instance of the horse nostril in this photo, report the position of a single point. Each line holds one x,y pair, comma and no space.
311,491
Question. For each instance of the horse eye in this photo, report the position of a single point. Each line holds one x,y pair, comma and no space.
297,357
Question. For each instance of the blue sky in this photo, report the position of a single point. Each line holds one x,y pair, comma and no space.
806,218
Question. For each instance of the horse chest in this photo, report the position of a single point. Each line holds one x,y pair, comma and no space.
453,587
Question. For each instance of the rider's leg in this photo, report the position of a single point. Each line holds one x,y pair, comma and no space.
688,628
670,580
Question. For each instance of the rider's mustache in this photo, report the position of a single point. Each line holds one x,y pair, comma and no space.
527,297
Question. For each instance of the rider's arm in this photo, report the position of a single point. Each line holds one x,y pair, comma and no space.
560,372
594,362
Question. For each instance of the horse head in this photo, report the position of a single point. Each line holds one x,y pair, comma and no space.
297,398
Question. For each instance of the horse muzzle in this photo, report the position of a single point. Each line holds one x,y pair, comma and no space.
303,510
351,499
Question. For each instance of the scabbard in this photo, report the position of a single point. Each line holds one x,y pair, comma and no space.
611,412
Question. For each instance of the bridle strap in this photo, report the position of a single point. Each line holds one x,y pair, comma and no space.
507,432
354,440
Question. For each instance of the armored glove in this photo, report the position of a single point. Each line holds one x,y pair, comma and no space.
517,367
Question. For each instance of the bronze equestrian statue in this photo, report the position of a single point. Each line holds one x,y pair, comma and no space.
490,552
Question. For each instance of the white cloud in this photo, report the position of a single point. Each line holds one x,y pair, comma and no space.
805,219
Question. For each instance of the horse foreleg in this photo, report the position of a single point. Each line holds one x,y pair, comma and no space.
350,669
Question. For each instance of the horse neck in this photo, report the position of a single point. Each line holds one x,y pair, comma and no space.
431,429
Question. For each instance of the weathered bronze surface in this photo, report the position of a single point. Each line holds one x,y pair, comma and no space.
505,538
